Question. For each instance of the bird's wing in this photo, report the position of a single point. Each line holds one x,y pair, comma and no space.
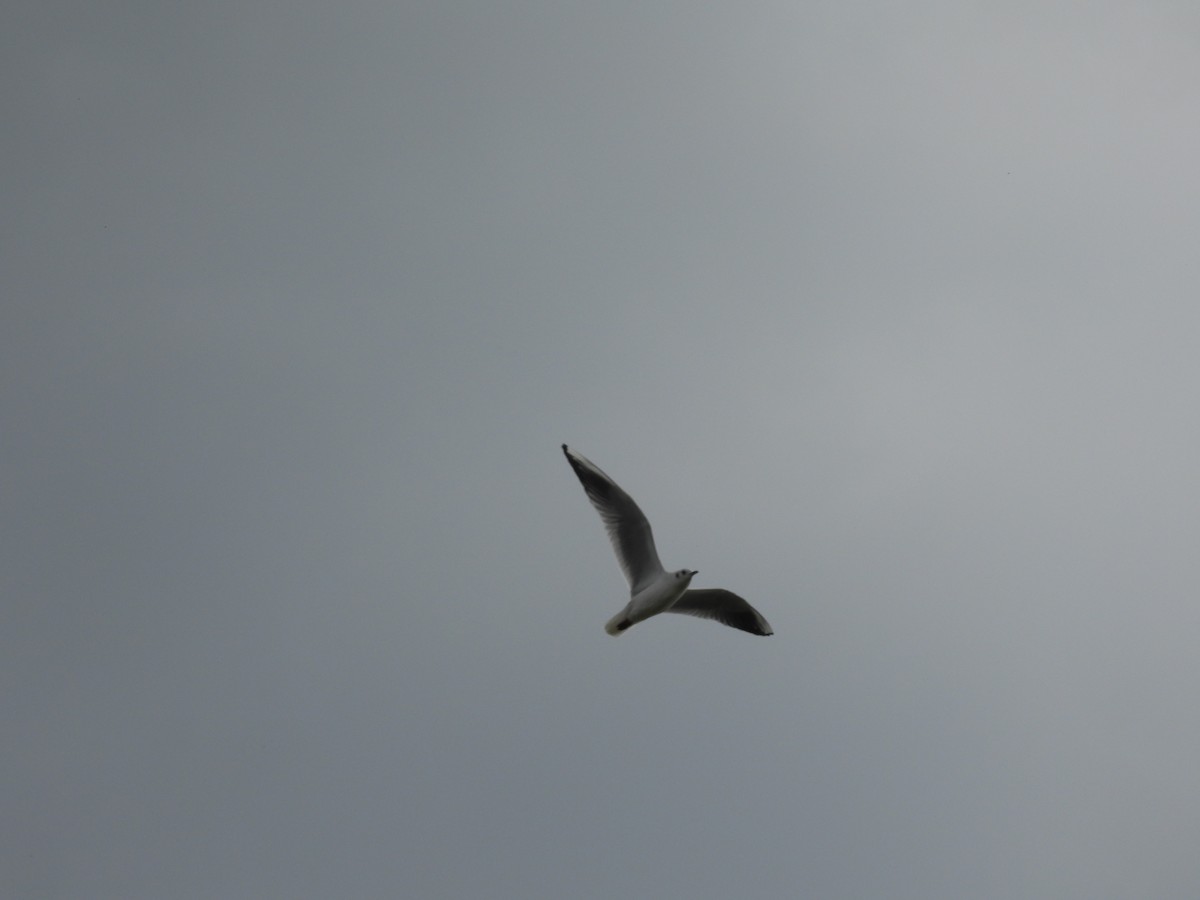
722,606
626,525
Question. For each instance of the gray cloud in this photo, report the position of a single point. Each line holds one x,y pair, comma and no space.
886,317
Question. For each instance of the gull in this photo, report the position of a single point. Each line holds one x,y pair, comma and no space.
652,589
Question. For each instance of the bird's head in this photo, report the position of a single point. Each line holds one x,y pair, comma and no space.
685,575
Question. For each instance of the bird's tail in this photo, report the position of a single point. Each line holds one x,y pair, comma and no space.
618,623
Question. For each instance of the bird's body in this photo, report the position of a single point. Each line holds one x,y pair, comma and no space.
657,596
652,589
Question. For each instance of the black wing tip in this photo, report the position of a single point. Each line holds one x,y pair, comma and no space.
583,467
753,628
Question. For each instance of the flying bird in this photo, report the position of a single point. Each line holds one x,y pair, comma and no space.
652,589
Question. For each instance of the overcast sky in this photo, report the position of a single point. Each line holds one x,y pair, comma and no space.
887,314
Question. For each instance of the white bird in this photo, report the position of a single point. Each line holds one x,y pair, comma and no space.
652,589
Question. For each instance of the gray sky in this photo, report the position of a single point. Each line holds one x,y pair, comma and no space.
885,313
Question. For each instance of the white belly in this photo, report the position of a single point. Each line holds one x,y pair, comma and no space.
657,596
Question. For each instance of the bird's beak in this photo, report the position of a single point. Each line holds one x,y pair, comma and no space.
695,571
